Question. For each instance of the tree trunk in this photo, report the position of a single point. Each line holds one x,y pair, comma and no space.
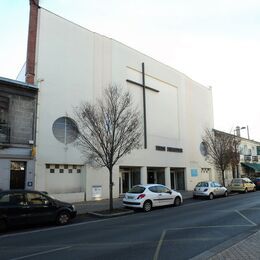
111,189
223,177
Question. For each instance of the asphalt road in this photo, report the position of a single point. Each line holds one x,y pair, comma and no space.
168,233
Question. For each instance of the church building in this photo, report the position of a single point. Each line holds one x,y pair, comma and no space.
70,64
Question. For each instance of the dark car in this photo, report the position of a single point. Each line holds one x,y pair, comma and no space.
31,207
257,182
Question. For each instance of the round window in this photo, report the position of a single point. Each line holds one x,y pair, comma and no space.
65,130
203,149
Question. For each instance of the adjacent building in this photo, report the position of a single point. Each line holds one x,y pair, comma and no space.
249,158
17,134
248,164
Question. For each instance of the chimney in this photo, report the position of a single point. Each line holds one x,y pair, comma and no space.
31,43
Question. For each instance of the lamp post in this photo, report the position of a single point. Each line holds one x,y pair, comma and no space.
247,129
238,128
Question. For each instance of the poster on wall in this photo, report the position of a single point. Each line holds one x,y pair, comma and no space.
194,172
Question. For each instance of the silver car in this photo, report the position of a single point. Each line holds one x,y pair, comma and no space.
209,189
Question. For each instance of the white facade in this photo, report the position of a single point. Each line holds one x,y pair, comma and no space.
73,65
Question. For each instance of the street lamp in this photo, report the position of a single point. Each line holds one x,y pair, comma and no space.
238,128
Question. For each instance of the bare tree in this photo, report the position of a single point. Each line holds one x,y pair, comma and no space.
235,154
222,150
108,130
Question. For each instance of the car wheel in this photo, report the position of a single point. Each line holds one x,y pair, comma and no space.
225,194
254,189
245,190
147,206
177,201
211,196
63,218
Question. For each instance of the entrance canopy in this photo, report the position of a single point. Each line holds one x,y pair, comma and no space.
252,166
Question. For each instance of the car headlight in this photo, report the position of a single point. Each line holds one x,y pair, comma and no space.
73,207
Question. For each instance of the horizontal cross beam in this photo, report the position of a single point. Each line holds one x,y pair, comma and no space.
141,85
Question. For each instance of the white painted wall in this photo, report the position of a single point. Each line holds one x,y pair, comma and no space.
76,65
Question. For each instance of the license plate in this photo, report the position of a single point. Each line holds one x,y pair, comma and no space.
130,197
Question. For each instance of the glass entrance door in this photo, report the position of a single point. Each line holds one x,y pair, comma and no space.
150,177
126,182
178,178
17,175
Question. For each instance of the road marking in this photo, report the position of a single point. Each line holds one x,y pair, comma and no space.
94,221
159,245
77,224
243,216
156,255
53,228
41,253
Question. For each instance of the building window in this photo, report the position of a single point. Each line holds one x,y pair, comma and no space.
65,130
52,171
78,170
61,171
70,170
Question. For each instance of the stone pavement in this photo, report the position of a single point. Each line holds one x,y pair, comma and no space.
249,248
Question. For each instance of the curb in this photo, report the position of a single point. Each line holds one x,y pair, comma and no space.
101,215
96,214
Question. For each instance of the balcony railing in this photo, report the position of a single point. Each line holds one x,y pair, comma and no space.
255,158
247,158
4,133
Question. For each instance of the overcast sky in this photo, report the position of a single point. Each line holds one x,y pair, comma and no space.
214,42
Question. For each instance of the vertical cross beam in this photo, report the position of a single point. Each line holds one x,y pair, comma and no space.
144,100
144,107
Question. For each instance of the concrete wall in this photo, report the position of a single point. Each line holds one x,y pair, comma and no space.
77,65
21,111
4,174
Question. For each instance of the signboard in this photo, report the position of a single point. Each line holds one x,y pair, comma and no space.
96,191
194,172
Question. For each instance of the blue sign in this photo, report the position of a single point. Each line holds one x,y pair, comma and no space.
194,172
29,183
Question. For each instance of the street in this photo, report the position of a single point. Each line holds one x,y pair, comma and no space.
168,233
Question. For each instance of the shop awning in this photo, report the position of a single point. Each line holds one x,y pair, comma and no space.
252,166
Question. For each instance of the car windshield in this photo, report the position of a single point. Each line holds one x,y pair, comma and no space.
236,181
137,189
202,184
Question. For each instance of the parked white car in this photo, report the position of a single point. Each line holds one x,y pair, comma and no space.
151,195
209,189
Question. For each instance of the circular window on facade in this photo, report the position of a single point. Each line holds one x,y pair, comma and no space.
65,130
203,149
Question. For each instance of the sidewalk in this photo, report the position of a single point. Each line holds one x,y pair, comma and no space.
249,248
98,205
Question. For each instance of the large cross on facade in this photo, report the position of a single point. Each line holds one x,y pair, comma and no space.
144,100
